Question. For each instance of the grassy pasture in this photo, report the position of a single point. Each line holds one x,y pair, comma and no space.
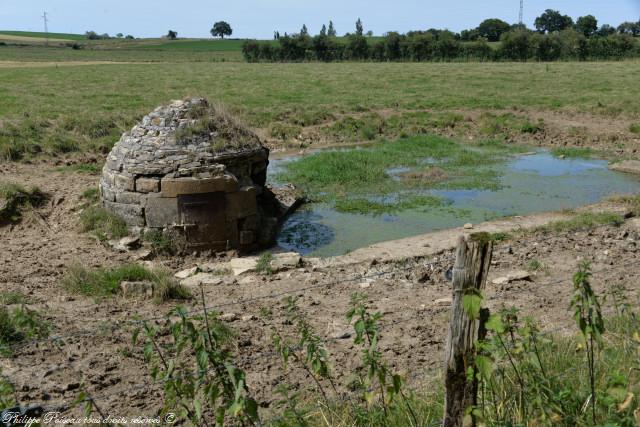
40,35
86,108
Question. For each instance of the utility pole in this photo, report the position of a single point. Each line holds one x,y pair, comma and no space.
521,12
46,28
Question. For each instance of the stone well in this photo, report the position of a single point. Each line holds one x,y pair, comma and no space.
192,169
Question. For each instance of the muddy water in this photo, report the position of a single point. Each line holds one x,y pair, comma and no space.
530,183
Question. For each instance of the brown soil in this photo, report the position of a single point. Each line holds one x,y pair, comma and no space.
94,345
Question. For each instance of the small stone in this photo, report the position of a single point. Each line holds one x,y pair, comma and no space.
204,279
229,317
286,261
468,226
511,277
243,265
365,285
443,302
186,273
248,317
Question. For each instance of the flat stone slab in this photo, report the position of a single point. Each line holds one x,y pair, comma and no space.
628,166
204,279
511,277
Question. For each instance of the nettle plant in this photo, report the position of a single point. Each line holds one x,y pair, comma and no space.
525,376
196,367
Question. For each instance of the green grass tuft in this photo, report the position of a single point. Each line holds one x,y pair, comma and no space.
263,265
572,152
102,223
15,199
635,128
105,282
581,221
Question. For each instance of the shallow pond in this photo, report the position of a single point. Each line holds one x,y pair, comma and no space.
530,183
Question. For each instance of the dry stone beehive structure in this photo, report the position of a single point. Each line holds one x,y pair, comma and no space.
190,168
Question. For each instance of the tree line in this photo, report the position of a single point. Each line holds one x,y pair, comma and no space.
556,37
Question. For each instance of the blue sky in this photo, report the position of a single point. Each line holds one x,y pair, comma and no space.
259,18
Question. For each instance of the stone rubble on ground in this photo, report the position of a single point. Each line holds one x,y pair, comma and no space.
512,277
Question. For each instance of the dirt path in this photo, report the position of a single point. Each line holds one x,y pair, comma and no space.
406,283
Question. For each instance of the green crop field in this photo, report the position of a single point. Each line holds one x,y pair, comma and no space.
40,35
198,45
85,107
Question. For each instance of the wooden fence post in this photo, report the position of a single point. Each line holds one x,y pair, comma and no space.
473,258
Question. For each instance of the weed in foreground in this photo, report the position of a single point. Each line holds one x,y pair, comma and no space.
263,265
19,324
581,221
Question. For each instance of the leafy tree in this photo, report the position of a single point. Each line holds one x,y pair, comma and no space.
359,28
516,45
469,35
129,37
172,35
552,20
221,29
331,32
304,31
493,29
606,30
632,28
587,25
119,35
323,30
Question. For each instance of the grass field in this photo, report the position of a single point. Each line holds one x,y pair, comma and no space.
40,35
87,107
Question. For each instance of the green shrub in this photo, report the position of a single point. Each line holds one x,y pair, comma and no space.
102,223
104,282
635,128
583,221
8,298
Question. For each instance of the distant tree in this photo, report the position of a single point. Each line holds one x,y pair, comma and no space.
119,35
172,35
323,30
587,25
331,32
606,30
469,35
91,35
493,29
304,31
632,28
369,33
551,21
516,45
221,29
359,28
276,35
129,37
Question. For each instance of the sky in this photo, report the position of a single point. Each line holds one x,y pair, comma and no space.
259,18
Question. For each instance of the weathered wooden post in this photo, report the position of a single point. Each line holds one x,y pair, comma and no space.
473,258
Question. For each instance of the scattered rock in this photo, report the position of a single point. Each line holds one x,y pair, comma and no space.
339,331
136,289
204,279
286,261
125,244
443,302
248,317
468,226
243,265
186,273
143,255
365,285
511,277
229,317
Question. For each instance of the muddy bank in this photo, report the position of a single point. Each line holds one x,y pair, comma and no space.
404,280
